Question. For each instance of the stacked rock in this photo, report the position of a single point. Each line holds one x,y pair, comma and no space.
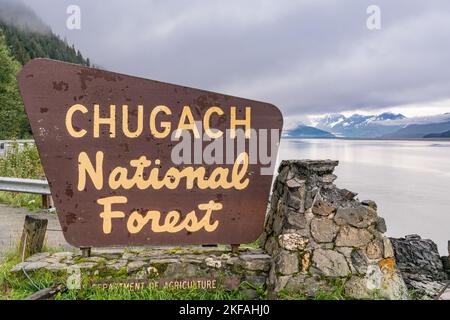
420,264
318,233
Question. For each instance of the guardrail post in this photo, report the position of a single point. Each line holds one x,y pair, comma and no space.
47,201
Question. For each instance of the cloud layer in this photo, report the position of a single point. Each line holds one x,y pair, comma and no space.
307,57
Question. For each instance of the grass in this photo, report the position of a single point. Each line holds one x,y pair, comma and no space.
30,201
335,294
149,294
335,291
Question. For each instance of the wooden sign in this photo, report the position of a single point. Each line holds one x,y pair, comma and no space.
132,161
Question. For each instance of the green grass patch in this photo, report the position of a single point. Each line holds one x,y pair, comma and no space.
30,201
21,162
121,293
335,290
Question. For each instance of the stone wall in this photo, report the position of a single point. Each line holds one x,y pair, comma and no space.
319,235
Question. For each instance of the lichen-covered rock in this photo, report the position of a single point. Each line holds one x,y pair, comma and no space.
286,263
296,219
330,263
357,287
135,266
88,265
370,204
381,225
322,208
310,196
374,250
38,257
307,285
353,237
292,241
359,261
295,183
376,285
323,230
360,217
388,249
32,265
255,262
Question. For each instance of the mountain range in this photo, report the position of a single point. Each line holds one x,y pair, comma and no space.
385,125
360,126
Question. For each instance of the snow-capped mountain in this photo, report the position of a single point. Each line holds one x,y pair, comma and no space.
360,125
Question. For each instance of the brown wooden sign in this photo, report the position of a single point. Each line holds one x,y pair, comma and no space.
132,161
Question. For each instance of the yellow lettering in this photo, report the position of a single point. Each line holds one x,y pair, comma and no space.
165,125
207,122
140,122
172,223
111,121
186,115
69,125
245,122
85,166
107,214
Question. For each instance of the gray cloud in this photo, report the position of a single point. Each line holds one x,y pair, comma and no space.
307,57
16,13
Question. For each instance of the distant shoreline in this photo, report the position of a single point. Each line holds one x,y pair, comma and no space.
368,139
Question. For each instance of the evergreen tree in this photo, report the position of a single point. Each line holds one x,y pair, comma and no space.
13,121
26,44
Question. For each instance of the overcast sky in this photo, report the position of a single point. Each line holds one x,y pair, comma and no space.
307,57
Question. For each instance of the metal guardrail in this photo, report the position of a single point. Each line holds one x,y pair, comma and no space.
5,143
25,186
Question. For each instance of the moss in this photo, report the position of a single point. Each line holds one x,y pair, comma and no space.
174,250
108,273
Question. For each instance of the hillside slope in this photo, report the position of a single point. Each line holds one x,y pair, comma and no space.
23,36
417,131
26,45
308,132
445,134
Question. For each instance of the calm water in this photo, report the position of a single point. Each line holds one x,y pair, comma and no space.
409,180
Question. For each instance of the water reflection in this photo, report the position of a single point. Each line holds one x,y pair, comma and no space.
410,180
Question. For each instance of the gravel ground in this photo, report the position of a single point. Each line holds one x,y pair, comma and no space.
11,225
